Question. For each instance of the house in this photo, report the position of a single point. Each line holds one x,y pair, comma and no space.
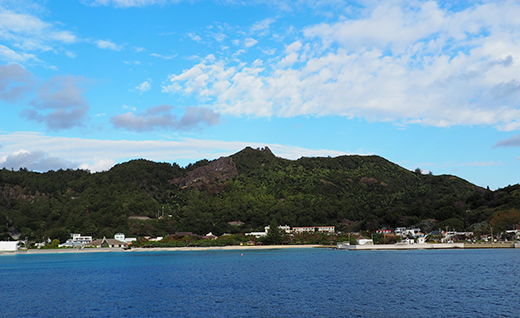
285,228
399,231
156,239
9,246
407,241
210,236
104,242
77,240
121,237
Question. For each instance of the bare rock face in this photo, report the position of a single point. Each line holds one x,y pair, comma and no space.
217,170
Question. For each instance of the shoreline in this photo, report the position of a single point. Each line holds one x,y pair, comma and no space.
427,246
156,249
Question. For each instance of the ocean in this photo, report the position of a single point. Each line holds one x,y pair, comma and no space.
263,283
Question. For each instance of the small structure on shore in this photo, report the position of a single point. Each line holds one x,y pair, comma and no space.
364,241
9,246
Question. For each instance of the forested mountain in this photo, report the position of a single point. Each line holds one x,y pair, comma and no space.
252,186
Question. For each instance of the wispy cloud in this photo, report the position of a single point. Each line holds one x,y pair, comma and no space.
161,117
21,33
262,27
165,57
126,3
249,42
108,45
144,87
513,141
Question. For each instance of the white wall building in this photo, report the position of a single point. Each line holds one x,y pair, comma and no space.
364,241
326,229
303,229
8,246
285,228
78,238
257,234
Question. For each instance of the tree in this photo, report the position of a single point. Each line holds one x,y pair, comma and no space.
275,235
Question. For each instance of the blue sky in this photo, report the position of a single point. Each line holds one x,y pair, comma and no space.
92,83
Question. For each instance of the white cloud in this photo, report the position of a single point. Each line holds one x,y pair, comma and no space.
409,62
249,42
262,27
143,87
107,44
97,155
98,165
166,57
70,54
125,3
21,33
10,56
36,160
195,37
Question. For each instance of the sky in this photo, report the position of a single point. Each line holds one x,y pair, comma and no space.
87,84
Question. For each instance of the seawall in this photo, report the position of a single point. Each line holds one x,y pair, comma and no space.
401,246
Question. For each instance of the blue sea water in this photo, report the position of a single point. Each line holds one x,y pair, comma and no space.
263,283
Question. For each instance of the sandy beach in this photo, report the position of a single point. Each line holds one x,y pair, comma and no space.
156,249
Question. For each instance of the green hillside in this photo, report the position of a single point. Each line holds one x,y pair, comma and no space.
252,186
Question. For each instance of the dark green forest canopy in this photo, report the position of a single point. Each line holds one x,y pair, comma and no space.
253,186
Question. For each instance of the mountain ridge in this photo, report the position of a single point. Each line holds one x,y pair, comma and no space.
252,186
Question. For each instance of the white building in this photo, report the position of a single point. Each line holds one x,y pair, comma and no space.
303,229
364,241
257,234
8,246
285,228
78,238
400,231
326,229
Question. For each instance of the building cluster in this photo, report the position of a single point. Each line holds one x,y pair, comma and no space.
296,230
80,241
414,235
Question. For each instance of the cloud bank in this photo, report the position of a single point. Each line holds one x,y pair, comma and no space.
36,161
161,117
98,155
15,82
59,103
403,61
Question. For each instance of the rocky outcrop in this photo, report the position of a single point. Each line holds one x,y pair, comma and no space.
216,171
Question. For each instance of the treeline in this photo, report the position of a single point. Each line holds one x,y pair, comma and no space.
351,192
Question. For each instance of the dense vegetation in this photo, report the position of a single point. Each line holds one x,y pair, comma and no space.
351,192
